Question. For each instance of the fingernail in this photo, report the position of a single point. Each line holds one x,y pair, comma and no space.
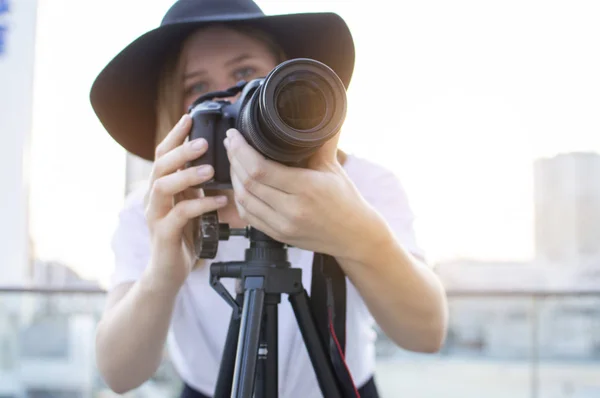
226,143
204,170
230,133
221,199
182,120
198,144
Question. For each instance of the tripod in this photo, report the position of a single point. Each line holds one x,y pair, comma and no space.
249,366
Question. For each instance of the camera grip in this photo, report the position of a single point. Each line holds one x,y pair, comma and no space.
203,126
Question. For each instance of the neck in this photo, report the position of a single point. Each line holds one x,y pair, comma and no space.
341,156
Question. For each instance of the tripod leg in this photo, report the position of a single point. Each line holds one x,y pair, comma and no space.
267,383
320,361
259,388
248,342
270,362
227,366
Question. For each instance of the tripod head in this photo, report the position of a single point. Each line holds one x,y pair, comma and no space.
209,231
265,257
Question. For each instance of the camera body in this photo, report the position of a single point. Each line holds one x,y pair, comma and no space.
210,120
286,116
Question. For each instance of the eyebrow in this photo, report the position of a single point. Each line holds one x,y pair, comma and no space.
238,59
232,61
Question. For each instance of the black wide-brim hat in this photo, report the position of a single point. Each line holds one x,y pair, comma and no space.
123,95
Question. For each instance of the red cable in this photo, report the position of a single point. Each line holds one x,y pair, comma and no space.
337,343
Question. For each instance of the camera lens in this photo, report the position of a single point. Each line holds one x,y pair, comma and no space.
300,105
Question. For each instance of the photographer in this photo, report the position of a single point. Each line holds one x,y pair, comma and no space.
340,204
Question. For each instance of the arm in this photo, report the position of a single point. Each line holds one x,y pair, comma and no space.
404,296
321,210
131,335
150,248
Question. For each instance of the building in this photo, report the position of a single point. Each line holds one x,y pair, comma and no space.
48,339
567,208
17,39
494,315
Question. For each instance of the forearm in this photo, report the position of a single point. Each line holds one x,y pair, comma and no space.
405,297
131,336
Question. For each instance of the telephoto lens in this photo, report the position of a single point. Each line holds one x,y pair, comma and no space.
300,105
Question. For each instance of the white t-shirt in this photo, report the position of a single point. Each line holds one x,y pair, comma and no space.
201,317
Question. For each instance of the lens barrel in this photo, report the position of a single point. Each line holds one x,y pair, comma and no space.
300,105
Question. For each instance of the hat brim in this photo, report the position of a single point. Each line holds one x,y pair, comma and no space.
123,95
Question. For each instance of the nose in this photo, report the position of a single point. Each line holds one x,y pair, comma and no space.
225,85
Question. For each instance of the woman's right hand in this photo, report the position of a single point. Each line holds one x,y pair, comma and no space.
172,203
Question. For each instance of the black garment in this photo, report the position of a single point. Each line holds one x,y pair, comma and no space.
368,390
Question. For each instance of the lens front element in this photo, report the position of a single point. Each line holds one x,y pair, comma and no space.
301,104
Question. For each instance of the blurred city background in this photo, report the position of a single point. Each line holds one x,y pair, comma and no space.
487,111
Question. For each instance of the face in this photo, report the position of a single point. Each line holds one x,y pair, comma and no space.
217,58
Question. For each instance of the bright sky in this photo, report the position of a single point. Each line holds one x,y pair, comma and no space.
458,98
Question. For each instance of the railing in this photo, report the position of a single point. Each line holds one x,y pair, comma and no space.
500,344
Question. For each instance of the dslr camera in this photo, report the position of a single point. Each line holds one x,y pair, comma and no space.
286,116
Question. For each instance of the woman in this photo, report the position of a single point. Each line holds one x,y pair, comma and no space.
340,205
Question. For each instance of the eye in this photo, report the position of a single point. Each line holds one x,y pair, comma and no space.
244,73
197,88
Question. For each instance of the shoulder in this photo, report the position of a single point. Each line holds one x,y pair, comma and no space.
355,163
132,218
133,202
374,180
130,241
364,170
383,190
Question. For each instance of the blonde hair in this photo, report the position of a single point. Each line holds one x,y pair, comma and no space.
169,100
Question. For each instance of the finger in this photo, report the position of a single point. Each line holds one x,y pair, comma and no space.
249,205
175,137
165,188
171,227
177,158
252,219
273,197
258,168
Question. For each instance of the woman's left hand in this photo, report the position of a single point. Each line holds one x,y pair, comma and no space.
316,208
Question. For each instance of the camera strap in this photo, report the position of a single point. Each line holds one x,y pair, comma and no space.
328,305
